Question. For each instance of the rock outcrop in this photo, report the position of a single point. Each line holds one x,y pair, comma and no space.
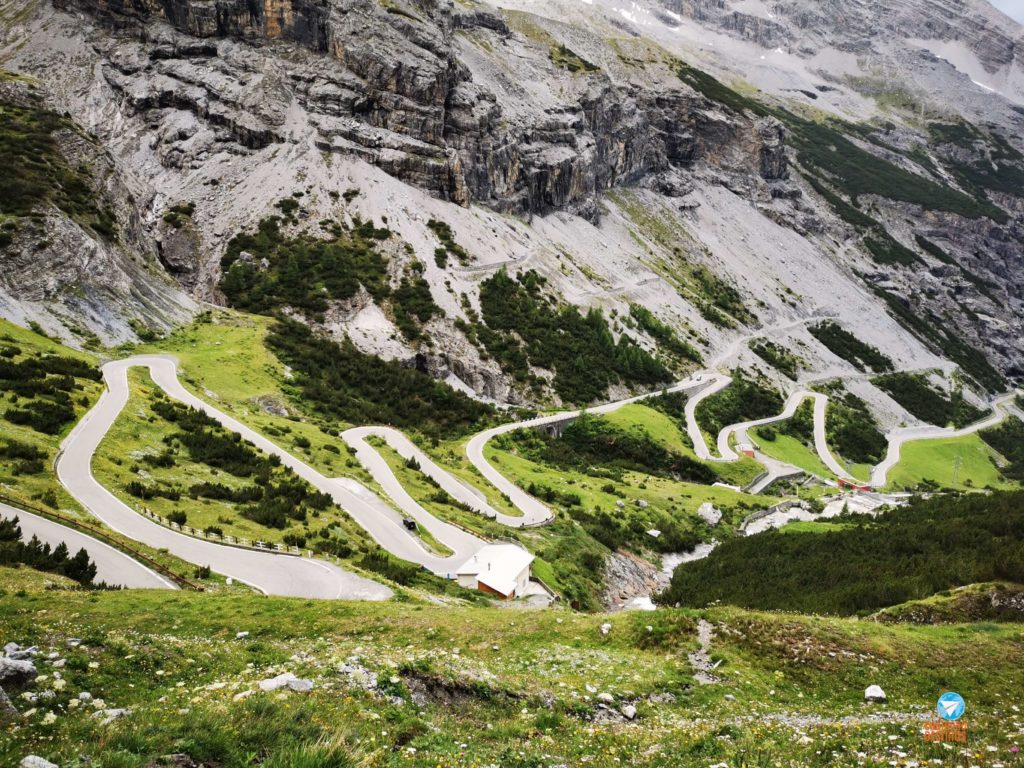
387,83
76,256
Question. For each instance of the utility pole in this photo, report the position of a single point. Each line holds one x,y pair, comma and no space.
957,461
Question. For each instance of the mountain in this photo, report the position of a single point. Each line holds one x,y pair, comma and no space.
738,169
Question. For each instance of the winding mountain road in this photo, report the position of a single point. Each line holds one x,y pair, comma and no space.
284,575
266,572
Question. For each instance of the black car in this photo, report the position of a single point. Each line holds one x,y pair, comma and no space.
409,524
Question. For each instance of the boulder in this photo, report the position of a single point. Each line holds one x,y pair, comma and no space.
107,716
16,673
628,711
874,693
606,698
709,513
35,761
286,680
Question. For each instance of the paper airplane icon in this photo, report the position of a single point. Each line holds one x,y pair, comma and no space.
950,706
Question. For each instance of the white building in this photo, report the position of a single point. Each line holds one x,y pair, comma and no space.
499,569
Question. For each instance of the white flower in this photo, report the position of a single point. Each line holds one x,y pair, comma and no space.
49,718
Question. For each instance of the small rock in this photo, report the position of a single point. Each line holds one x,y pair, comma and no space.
286,680
15,673
628,711
606,628
73,642
874,693
606,698
241,635
85,697
110,715
730,697
35,761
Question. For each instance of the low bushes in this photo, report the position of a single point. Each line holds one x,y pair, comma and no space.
339,382
524,328
844,344
743,400
902,555
918,397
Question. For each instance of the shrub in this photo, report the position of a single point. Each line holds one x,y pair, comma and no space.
906,554
341,383
663,334
743,400
523,329
918,397
844,344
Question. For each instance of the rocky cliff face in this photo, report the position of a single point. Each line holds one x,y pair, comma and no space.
386,83
574,144
75,256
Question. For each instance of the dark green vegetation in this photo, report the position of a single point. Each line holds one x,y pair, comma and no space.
936,333
340,383
719,302
178,213
525,328
593,442
836,167
38,173
412,302
844,344
926,403
667,338
998,167
777,356
1008,440
41,557
825,150
743,400
25,459
851,430
277,494
886,250
303,272
40,388
800,425
928,246
906,554
448,245
569,60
